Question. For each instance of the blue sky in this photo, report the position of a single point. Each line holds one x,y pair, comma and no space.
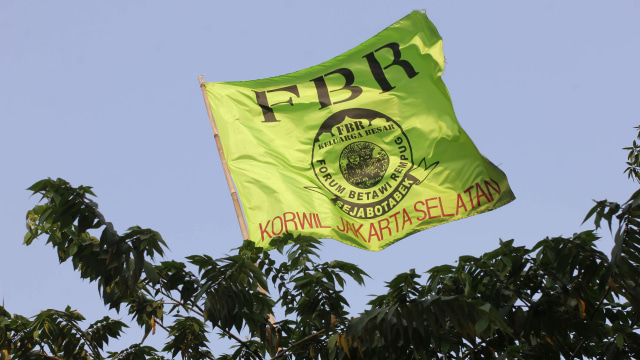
106,94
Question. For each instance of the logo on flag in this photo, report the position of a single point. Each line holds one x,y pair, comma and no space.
373,167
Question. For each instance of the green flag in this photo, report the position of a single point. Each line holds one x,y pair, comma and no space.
364,148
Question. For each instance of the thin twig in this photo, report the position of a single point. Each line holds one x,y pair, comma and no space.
604,296
191,308
283,352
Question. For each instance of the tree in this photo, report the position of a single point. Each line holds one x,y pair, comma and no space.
563,298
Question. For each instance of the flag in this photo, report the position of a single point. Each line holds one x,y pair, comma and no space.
364,148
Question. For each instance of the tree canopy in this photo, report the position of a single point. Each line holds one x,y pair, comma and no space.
561,299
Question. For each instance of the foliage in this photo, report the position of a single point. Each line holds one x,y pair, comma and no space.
563,298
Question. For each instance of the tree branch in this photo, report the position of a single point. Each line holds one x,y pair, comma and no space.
283,352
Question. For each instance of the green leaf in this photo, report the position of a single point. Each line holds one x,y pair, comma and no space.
481,325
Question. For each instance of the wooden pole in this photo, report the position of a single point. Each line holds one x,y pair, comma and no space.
227,174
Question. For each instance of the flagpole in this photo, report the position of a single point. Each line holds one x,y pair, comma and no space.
227,174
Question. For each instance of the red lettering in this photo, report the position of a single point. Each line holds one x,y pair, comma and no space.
316,219
395,218
357,233
281,226
488,185
460,201
293,220
348,227
468,191
406,218
380,227
264,231
305,219
442,208
431,207
478,196
424,213
373,232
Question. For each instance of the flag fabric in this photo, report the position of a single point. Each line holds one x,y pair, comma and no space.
364,148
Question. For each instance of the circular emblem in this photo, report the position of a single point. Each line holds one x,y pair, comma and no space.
362,157
363,164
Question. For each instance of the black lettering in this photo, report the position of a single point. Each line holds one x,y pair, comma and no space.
382,189
267,109
323,90
378,71
350,127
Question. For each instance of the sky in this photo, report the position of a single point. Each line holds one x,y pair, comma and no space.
106,94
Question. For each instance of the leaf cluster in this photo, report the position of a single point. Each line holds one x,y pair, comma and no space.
556,300
192,300
561,299
55,332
